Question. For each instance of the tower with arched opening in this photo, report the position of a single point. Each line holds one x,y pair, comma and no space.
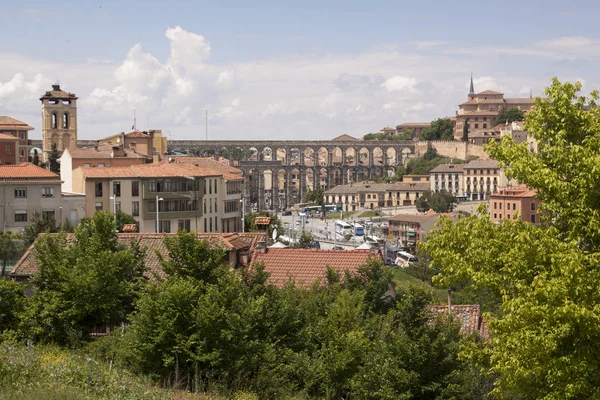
59,120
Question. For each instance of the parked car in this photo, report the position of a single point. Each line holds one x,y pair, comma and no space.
404,259
286,213
338,248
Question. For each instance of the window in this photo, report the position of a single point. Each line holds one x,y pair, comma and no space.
500,216
205,225
215,186
210,188
532,206
210,224
532,218
54,121
98,190
183,225
20,193
8,147
484,126
100,165
514,206
216,225
500,206
48,214
87,165
216,205
99,206
508,206
476,126
485,119
205,207
47,192
495,216
22,135
20,216
495,204
135,208
135,188
507,216
118,206
65,121
117,189
152,186
164,226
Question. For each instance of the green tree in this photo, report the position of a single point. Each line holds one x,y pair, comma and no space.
39,223
36,157
314,196
546,276
11,248
440,129
12,304
509,115
250,226
305,241
440,202
465,136
53,157
83,282
123,219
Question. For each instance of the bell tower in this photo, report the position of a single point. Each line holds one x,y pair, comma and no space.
59,120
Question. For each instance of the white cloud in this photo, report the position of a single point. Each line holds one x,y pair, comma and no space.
291,96
400,83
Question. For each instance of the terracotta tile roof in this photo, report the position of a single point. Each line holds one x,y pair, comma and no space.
11,123
413,125
379,187
522,191
207,162
487,163
104,151
129,228
458,168
414,218
151,171
8,137
306,266
138,134
487,92
26,171
469,317
345,137
262,220
27,265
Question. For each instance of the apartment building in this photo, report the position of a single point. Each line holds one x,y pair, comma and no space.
407,230
17,151
101,156
447,177
165,197
151,143
366,195
482,178
515,203
26,189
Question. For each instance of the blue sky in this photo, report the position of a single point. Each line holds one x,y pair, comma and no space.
285,69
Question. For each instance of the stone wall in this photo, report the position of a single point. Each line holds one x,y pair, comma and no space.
451,149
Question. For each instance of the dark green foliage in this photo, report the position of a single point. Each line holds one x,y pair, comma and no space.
53,157
39,223
421,166
407,134
12,304
465,136
124,218
509,115
440,202
250,226
440,129
36,158
11,248
89,282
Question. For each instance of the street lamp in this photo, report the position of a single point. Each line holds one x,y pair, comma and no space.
243,213
114,199
157,200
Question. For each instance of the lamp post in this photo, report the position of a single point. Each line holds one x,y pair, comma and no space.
114,199
157,200
243,214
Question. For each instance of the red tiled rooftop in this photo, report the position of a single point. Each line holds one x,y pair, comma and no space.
138,134
345,137
102,152
306,266
25,171
8,137
11,123
207,162
151,171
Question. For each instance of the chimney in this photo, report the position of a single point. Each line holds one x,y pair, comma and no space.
155,157
96,147
261,247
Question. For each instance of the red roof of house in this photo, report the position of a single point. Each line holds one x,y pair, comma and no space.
26,171
469,316
207,162
139,134
11,123
155,171
306,266
345,137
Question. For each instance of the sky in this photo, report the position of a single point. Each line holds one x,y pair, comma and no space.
284,69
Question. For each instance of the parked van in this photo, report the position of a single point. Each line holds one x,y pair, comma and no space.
404,259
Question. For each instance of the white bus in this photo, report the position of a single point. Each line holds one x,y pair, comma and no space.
342,228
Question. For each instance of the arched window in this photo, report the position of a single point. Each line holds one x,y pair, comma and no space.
54,122
65,120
